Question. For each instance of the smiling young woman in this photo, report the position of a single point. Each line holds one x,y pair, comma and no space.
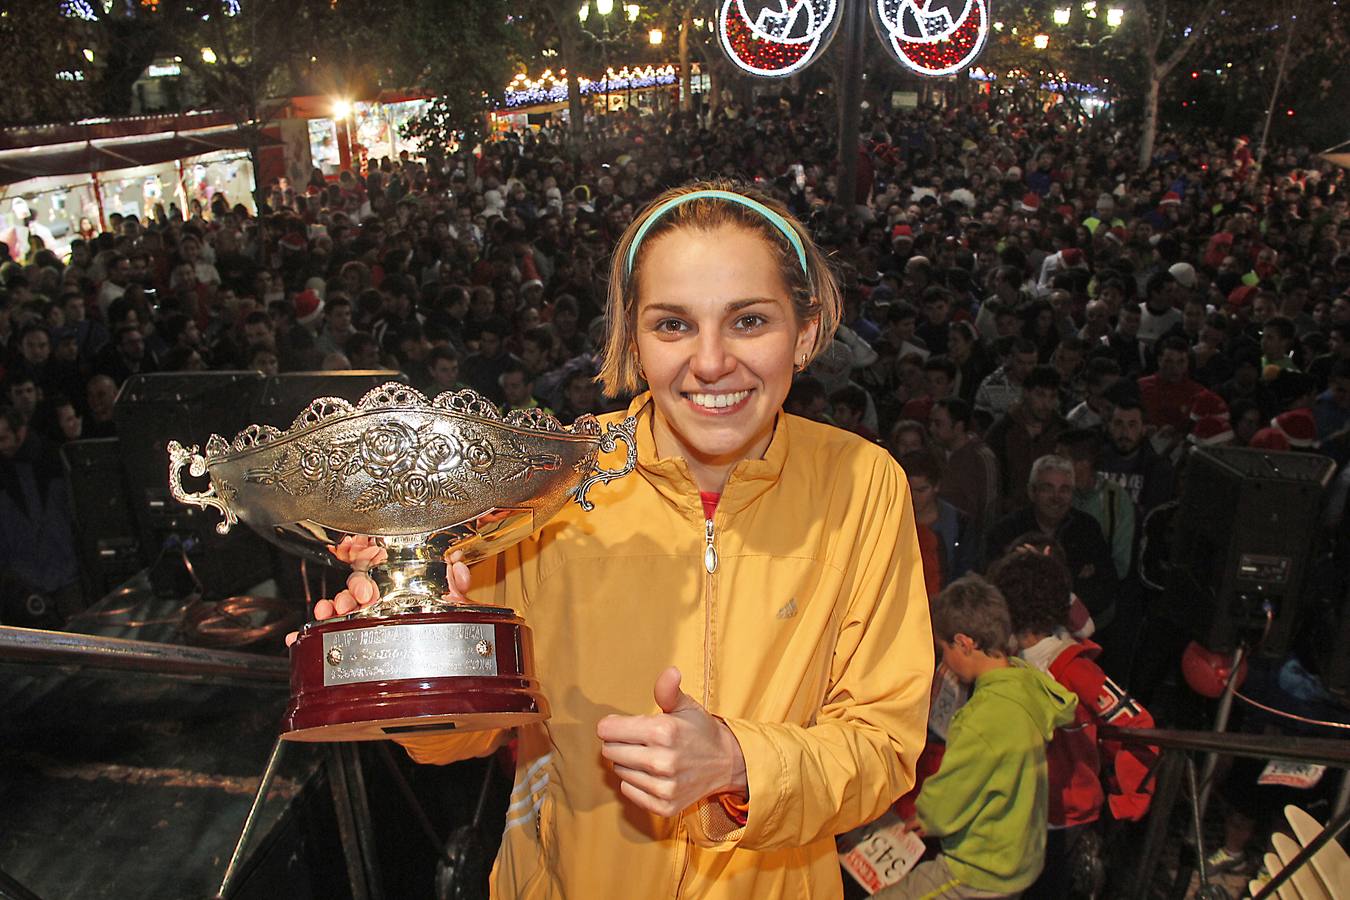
735,644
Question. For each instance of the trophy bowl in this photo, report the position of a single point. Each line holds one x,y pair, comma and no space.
391,486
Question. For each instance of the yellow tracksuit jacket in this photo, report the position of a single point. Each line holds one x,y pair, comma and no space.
811,640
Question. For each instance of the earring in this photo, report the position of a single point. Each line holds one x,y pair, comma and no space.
801,366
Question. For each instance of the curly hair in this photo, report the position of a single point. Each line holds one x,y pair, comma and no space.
1037,587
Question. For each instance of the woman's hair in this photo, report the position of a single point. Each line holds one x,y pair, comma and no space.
1037,587
814,297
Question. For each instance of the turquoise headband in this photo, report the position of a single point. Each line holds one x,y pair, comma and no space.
773,218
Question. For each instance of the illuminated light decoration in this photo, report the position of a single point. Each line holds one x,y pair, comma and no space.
79,9
551,88
1114,17
932,37
778,37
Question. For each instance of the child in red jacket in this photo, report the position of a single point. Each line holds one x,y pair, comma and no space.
1036,587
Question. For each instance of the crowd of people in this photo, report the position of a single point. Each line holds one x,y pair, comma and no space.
1039,332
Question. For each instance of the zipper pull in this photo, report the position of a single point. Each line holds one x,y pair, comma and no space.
710,552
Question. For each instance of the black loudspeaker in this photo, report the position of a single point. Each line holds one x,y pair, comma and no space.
1245,531
285,396
106,537
187,407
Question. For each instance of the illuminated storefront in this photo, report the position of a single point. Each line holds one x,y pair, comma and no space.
126,166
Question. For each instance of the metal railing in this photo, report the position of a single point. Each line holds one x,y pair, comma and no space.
33,646
1176,764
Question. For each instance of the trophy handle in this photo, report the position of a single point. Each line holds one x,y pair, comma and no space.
180,456
625,431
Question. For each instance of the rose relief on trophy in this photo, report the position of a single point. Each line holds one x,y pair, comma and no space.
392,485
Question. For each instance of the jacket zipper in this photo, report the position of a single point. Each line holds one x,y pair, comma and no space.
710,567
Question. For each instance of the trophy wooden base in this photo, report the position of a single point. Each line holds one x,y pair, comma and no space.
468,669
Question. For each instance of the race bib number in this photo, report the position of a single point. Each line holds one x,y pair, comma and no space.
1291,774
880,854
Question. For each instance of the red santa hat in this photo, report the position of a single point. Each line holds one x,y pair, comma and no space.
1298,427
1208,404
1171,198
1269,439
1030,203
1211,431
902,230
1072,256
308,307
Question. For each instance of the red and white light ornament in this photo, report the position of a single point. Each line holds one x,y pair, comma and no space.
932,37
776,38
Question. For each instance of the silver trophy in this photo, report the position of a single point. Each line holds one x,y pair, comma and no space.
395,483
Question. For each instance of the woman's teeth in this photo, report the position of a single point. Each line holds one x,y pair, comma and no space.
718,401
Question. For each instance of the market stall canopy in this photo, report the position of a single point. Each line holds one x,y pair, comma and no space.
1340,159
105,154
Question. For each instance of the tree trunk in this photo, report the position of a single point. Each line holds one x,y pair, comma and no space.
850,98
714,91
576,109
1150,117
686,76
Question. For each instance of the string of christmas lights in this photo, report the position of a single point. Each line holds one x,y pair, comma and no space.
552,88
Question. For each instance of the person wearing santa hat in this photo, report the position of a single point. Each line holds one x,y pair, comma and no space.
308,309
1054,264
1298,427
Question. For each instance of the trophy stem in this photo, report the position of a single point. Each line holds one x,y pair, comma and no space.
411,580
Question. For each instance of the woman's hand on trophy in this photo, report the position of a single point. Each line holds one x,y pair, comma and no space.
361,589
359,552
457,576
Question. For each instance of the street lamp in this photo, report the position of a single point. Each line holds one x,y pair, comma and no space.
605,8
1114,16
654,37
1061,15
1041,41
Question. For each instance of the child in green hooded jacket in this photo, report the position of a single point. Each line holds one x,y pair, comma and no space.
987,803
